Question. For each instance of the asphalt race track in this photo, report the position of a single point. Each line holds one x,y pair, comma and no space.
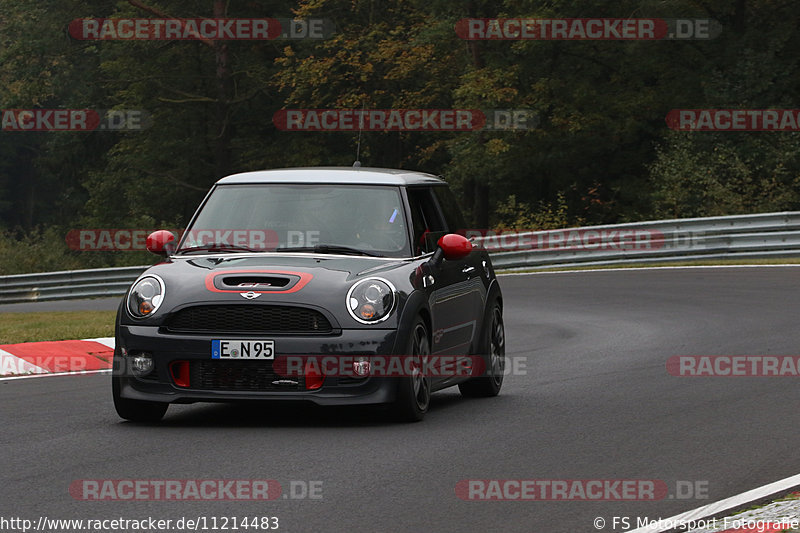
596,403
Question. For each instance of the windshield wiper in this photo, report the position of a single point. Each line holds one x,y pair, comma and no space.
330,249
212,247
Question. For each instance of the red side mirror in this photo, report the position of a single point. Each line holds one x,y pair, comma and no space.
455,246
160,242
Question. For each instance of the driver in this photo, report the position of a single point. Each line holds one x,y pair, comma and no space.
381,227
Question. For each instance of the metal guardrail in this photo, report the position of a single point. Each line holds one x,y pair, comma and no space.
68,284
770,235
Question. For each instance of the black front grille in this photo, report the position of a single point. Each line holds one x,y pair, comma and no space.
249,319
239,376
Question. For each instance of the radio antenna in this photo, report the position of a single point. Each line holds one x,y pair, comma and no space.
357,163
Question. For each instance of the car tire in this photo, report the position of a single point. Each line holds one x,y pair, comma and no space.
414,392
494,346
136,410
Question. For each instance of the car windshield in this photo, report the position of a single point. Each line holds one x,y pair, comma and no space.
342,219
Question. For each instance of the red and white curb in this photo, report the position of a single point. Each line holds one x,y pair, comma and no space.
770,519
39,359
777,517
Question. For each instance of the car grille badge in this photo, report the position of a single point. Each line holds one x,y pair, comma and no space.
250,295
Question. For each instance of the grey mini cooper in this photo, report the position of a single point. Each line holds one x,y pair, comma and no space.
338,286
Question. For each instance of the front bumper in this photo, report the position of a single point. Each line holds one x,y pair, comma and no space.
167,348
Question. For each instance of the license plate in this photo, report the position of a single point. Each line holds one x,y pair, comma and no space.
240,349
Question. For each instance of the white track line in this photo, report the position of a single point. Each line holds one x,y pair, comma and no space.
727,504
58,374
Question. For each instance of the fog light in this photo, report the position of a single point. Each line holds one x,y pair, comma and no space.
142,364
361,366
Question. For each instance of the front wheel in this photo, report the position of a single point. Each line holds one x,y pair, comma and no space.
136,410
414,391
495,343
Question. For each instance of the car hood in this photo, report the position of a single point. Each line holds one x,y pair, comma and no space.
319,280
351,267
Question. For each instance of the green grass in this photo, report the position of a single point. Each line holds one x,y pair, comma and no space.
716,262
55,326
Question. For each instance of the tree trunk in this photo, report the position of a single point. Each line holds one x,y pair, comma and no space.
480,188
222,142
482,204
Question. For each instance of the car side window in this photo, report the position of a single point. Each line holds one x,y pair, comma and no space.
426,219
452,212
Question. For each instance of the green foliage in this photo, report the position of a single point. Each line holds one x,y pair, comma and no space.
601,152
512,214
46,250
705,174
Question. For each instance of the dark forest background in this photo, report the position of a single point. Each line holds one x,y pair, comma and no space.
602,152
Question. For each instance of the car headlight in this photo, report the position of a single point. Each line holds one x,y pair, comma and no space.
145,296
371,300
